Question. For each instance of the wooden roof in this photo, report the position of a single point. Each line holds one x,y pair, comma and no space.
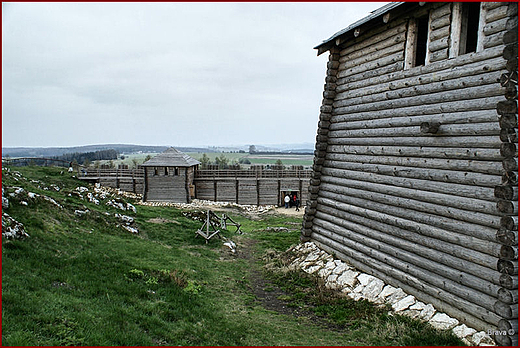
171,158
372,20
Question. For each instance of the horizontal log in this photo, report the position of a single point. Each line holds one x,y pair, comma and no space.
440,22
439,44
449,230
475,129
510,52
377,63
413,204
423,152
505,340
486,141
421,87
509,135
509,222
508,150
484,91
506,325
507,207
508,267
507,237
445,200
377,53
441,11
486,167
469,191
453,66
461,258
497,13
491,5
506,311
507,296
471,71
508,252
506,192
440,33
434,109
470,313
508,281
469,248
507,107
449,176
495,27
438,55
511,36
347,230
359,45
494,40
510,178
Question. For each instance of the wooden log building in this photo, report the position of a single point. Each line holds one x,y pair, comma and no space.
169,177
416,164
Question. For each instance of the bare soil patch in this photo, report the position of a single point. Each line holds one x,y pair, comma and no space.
270,295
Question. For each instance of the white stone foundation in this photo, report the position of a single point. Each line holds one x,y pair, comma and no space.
343,277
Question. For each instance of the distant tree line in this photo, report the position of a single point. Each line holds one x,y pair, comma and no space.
82,157
222,162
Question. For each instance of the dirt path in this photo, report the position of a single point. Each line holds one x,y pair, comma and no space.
269,294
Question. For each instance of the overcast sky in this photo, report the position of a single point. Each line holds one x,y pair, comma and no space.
180,74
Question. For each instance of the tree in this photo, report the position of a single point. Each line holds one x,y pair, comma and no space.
86,163
204,161
134,161
148,157
222,161
252,149
279,162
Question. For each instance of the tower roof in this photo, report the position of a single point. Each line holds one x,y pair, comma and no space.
171,158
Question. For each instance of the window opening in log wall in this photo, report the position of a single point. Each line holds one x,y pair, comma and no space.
466,28
470,15
421,41
417,42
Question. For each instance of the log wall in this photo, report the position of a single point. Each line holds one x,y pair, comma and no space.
169,187
255,191
415,170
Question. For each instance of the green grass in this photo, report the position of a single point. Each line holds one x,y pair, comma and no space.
87,281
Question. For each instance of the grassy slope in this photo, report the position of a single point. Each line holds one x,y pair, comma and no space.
87,281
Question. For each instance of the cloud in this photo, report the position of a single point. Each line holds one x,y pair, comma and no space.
165,73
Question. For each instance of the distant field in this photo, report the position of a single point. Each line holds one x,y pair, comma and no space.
288,160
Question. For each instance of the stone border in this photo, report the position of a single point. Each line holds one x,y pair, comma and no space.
343,277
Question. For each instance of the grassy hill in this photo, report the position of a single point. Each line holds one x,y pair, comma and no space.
82,278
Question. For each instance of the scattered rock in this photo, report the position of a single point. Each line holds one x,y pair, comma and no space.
130,229
125,219
443,321
404,303
482,339
49,199
81,212
348,278
339,275
81,189
92,199
231,245
12,229
462,331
